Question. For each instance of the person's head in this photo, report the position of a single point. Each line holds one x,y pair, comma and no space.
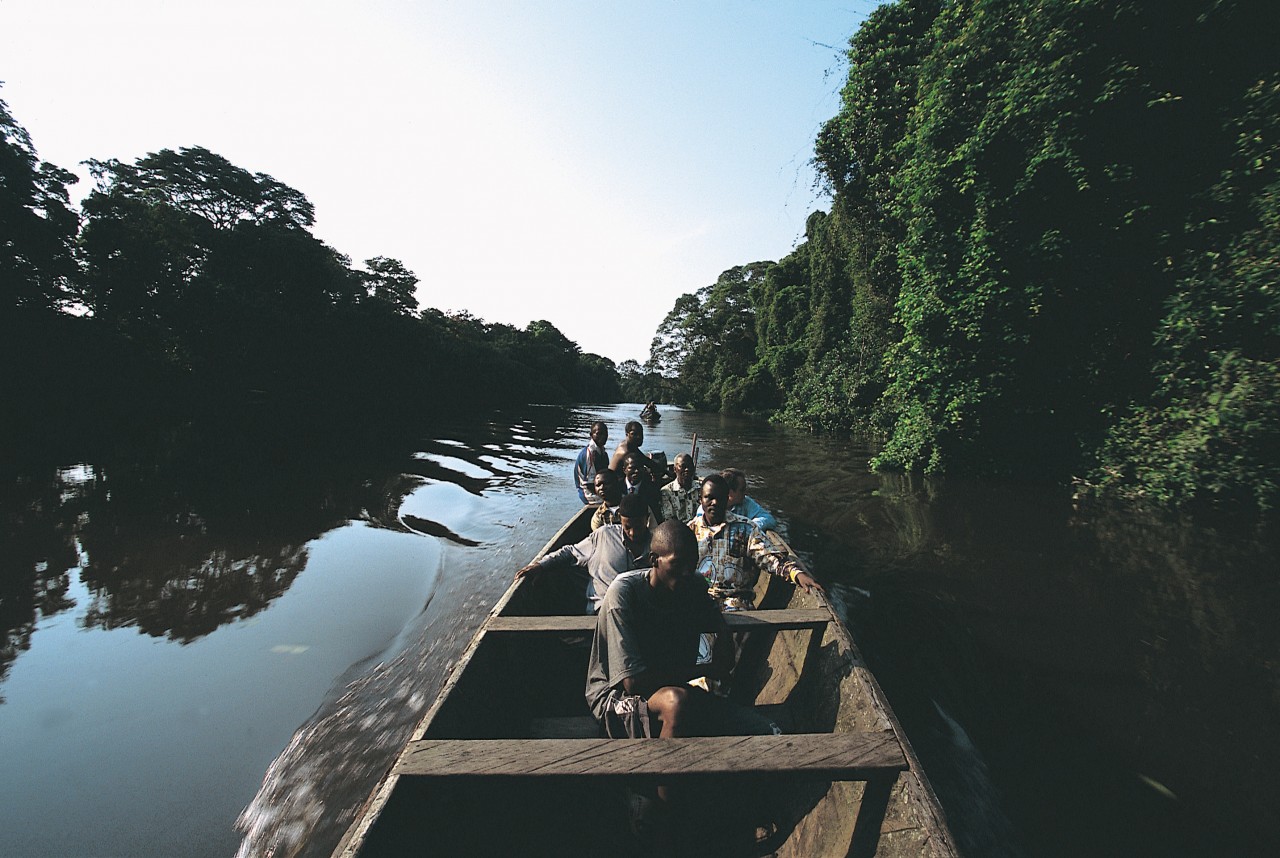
633,468
683,467
736,480
635,434
634,513
609,486
715,499
600,433
674,555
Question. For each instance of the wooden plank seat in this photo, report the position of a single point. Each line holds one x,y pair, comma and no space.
821,756
738,621
566,727
587,727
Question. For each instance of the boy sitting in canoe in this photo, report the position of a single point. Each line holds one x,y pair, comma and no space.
606,553
608,485
591,460
740,503
645,650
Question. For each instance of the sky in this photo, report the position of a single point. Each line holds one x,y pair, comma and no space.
580,162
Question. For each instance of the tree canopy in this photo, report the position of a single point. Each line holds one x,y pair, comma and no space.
37,224
1050,250
203,289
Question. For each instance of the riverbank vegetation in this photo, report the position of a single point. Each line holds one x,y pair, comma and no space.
189,287
1051,250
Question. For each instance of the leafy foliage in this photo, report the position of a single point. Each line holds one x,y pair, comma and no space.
707,342
37,224
1212,427
388,281
1051,249
207,292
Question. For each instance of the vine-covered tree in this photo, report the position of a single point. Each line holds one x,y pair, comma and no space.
1050,249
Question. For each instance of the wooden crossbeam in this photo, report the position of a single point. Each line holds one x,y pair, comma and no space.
738,621
823,756
586,727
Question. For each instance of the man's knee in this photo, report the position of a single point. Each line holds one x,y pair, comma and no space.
670,700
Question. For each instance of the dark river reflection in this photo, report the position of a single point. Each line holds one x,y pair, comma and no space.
211,645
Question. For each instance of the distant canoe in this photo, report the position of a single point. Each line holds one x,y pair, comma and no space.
650,415
508,760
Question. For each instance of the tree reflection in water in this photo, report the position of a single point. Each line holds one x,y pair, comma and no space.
38,518
176,537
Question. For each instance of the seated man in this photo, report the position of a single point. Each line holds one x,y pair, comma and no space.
609,488
680,496
591,460
732,551
645,650
741,504
606,553
631,444
638,481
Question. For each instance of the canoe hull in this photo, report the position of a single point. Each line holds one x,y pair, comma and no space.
520,686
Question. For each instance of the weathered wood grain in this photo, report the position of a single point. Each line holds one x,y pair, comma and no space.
826,756
738,621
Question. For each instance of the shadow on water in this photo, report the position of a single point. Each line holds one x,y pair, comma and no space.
1076,681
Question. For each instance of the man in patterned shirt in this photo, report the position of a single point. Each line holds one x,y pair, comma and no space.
732,551
680,496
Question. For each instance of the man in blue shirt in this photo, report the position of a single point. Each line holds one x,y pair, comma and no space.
741,504
591,460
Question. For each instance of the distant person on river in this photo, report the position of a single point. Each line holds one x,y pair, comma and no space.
609,487
680,496
591,460
631,444
638,482
606,553
649,410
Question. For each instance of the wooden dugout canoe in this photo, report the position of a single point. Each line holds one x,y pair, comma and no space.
508,759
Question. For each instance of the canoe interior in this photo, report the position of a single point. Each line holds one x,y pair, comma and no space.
524,685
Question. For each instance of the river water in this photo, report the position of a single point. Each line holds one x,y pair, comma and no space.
215,647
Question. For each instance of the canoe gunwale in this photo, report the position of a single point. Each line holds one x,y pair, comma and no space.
914,795
367,815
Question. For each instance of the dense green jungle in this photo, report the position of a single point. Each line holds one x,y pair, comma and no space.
1050,251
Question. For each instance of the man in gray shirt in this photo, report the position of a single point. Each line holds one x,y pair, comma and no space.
606,553
645,648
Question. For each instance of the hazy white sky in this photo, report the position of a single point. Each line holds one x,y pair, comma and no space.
528,159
